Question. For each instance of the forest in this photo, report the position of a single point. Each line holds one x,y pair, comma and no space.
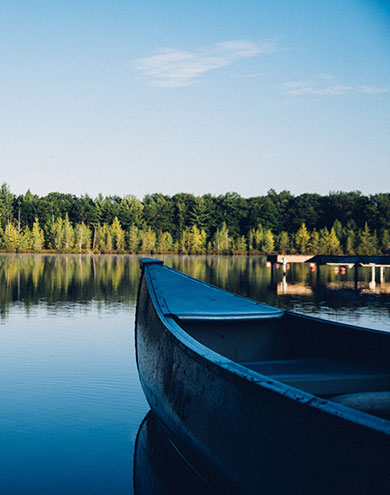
310,223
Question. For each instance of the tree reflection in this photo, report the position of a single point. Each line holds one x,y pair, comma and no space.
109,279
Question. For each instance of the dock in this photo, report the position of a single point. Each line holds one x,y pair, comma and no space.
357,261
360,260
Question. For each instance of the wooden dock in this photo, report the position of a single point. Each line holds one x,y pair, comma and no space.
359,260
356,261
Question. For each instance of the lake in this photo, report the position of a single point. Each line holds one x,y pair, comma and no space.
71,402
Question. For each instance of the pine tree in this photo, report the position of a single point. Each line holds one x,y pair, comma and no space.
251,240
269,243
329,242
148,240
241,245
38,238
338,228
314,245
199,214
222,242
133,239
258,236
26,240
284,243
58,233
118,235
185,241
324,241
196,241
334,243
350,242
302,239
68,233
366,242
164,242
385,245
82,237
11,238
79,234
109,245
1,235
101,237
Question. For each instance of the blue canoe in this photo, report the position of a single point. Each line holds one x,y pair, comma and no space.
262,400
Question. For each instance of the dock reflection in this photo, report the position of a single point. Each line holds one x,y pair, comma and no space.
158,467
341,287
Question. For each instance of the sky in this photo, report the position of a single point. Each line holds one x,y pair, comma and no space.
138,97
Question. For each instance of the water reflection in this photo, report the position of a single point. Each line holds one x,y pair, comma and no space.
71,402
46,279
332,292
158,467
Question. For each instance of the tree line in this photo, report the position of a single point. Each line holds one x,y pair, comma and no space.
338,223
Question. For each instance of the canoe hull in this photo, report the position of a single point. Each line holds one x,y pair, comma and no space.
243,433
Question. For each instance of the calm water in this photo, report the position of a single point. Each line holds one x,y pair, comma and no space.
71,404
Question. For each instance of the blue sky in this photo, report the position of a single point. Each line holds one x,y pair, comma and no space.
131,97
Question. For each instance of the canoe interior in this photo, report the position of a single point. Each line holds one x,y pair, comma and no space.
319,357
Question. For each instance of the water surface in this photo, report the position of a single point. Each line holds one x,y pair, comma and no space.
71,403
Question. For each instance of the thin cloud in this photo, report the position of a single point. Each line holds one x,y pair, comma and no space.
178,68
298,88
318,87
372,90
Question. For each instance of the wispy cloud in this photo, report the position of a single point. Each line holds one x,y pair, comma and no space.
372,90
176,68
326,86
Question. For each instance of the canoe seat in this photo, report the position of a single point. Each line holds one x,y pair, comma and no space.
324,377
376,403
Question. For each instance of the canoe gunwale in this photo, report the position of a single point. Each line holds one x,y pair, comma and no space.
171,324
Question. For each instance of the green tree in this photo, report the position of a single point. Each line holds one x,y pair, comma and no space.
385,246
334,242
314,245
197,240
11,238
82,237
103,239
222,242
338,228
130,212
109,245
26,240
350,239
241,246
199,214
148,240
68,233
329,242
284,242
6,205
269,243
38,239
57,231
302,239
164,242
256,239
118,235
133,239
366,242
185,241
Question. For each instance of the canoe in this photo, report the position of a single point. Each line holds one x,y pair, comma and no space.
258,399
